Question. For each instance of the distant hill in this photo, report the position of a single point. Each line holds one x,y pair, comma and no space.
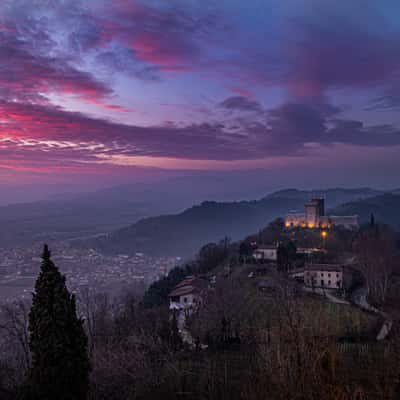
184,233
332,197
385,207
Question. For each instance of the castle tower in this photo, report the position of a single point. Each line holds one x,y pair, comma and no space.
315,208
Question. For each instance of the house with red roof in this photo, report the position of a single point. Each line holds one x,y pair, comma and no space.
188,294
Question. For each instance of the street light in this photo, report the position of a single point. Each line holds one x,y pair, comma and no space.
324,235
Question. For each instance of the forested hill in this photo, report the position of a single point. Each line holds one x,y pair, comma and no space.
332,197
385,207
183,234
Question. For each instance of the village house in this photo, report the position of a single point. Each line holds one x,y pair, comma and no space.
327,276
266,253
188,294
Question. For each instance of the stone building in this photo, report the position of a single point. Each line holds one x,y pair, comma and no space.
314,217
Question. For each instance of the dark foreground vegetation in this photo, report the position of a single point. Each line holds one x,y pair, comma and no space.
247,344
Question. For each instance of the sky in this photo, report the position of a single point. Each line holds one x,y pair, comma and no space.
98,92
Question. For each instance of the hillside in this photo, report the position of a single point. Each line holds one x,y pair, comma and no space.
385,207
184,233
332,197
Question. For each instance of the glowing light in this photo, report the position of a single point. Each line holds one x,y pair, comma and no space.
311,226
324,234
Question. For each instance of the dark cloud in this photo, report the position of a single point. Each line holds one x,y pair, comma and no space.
329,57
340,45
241,103
389,98
355,132
297,124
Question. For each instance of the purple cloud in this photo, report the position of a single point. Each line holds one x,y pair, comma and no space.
241,103
29,74
284,74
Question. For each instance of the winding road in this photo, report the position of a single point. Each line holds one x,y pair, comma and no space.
359,298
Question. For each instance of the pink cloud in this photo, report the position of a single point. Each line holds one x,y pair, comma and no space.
242,91
110,107
158,50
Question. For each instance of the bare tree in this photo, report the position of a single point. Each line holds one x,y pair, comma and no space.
375,249
97,309
14,319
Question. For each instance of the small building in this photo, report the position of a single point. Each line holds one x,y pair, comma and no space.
328,276
188,293
266,253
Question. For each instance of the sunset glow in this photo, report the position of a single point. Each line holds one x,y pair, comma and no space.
87,87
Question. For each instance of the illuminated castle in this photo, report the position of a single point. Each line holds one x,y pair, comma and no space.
314,217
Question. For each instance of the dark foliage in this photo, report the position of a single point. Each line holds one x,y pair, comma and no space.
286,255
58,343
384,208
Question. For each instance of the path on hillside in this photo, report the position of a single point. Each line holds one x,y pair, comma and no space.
360,298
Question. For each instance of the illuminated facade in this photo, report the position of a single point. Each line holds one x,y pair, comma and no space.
314,217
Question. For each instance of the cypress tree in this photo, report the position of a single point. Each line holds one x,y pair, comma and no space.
60,363
372,220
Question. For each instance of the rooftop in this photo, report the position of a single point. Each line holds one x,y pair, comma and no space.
190,285
324,267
